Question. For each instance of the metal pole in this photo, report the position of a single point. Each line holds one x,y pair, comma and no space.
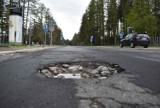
101,42
29,30
45,37
91,43
29,37
51,28
51,39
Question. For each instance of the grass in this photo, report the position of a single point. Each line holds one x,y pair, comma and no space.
155,45
11,44
4,45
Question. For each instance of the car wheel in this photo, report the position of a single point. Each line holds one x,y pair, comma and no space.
121,45
132,45
145,46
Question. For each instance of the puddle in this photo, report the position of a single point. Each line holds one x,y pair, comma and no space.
81,70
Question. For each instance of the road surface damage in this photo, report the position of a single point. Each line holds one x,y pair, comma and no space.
81,70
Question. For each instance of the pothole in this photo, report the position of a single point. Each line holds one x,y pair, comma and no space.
81,70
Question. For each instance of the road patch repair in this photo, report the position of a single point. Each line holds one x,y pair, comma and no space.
81,70
103,85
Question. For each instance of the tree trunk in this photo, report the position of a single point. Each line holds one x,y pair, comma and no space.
23,31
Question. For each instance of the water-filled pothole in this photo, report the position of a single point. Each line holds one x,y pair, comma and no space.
81,70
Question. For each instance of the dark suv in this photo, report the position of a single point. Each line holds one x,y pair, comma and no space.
135,39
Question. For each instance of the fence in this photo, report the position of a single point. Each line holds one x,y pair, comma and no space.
155,40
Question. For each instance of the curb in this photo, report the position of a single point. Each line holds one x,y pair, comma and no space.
25,50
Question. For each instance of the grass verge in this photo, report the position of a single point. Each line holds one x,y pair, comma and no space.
12,44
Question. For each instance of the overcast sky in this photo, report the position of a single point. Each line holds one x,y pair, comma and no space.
68,14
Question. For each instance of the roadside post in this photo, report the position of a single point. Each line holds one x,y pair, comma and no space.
51,28
30,31
62,38
101,40
45,28
91,40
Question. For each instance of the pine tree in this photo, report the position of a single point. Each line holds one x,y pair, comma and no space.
99,20
92,23
112,22
75,40
84,29
57,35
156,11
123,10
141,18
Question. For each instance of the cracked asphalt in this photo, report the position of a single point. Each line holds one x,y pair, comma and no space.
21,86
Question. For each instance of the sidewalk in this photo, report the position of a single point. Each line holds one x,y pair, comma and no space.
14,49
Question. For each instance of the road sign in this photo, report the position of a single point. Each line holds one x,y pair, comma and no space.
45,27
121,35
51,24
91,38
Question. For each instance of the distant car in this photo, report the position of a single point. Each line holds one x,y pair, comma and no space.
135,39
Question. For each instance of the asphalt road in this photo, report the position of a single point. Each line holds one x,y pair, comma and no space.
21,86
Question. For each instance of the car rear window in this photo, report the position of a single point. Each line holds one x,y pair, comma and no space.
143,35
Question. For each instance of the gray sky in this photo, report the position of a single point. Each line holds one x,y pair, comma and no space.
68,14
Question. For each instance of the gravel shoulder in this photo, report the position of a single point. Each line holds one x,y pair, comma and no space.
15,52
6,50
